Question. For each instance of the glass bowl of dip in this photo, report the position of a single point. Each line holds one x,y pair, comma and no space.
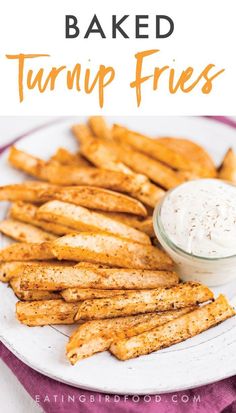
195,223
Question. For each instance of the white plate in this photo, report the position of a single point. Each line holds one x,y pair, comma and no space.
206,358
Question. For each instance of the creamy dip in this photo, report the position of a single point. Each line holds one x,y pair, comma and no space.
200,217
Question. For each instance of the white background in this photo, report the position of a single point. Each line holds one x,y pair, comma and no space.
205,32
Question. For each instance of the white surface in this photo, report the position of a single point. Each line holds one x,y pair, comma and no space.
203,359
13,397
202,36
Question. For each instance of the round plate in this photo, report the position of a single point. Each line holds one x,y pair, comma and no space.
203,359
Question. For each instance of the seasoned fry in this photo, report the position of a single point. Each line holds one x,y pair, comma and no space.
28,213
58,278
28,163
81,219
66,157
24,232
160,299
34,295
111,250
194,152
99,127
8,269
29,191
228,168
96,198
174,331
41,313
24,251
87,196
81,132
162,152
96,336
73,295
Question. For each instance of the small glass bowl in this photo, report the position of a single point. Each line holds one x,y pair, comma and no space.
190,267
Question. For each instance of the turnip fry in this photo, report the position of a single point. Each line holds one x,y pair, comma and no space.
160,299
99,198
174,331
86,196
202,163
99,127
96,336
73,295
81,219
24,232
110,250
40,313
33,295
9,270
24,251
58,278
27,163
29,191
25,212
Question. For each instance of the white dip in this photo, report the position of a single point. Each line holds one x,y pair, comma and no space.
196,225
200,218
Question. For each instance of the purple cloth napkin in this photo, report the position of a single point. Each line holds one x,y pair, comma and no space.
54,397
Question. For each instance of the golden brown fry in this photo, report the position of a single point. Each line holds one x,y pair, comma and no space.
110,250
40,313
34,295
24,251
28,163
87,196
8,269
29,191
66,157
228,168
81,132
96,336
99,127
24,232
160,150
203,163
28,213
82,219
58,278
160,299
73,295
174,331
97,198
